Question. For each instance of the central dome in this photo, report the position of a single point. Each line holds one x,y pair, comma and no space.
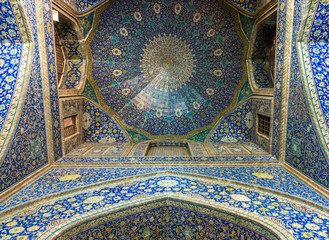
167,62
167,68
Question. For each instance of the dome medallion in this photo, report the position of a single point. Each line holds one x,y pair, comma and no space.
167,62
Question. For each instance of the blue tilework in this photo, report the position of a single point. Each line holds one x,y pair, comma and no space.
86,23
200,136
303,223
84,5
100,126
62,179
245,91
128,89
247,24
303,146
10,56
236,126
137,137
89,91
249,6
28,149
171,222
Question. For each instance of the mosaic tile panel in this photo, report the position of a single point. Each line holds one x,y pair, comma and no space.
28,149
11,45
84,5
236,126
137,137
62,179
247,24
133,69
99,126
295,220
200,137
249,6
245,91
304,150
89,91
86,22
172,222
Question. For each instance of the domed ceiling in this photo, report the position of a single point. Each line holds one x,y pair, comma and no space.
168,68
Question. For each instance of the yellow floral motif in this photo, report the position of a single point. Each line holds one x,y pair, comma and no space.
262,175
16,230
308,234
95,199
70,177
22,237
34,228
11,224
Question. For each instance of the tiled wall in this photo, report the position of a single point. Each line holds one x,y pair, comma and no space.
28,149
240,124
99,126
236,126
249,6
172,222
304,150
85,5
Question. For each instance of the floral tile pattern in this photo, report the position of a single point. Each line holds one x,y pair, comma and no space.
63,179
295,219
306,130
140,72
99,126
236,126
173,222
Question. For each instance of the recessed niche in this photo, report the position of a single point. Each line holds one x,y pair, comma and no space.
70,127
168,149
261,55
263,125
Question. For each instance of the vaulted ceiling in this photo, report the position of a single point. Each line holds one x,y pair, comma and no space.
165,68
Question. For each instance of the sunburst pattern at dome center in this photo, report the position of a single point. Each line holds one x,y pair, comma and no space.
167,62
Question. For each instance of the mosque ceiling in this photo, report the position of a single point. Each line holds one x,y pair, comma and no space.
167,68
